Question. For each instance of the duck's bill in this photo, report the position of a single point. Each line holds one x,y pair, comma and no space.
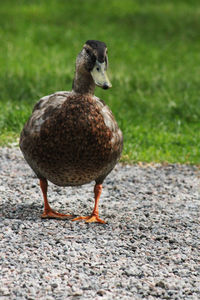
99,75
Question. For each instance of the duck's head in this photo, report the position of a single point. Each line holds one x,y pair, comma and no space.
93,58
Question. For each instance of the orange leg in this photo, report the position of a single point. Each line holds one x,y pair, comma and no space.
94,217
48,211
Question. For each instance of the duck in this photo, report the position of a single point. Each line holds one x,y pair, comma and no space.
72,137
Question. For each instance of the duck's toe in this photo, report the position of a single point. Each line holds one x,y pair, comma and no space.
52,214
90,219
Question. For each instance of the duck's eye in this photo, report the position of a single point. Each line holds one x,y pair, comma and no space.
97,68
87,51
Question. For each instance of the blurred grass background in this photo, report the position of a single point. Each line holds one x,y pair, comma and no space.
154,60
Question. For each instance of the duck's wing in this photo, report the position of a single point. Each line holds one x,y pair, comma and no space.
53,100
43,110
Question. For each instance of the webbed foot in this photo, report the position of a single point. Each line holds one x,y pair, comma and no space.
90,219
52,214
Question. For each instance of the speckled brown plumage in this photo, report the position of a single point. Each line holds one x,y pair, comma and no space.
72,138
73,145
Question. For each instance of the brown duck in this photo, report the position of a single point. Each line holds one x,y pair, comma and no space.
72,137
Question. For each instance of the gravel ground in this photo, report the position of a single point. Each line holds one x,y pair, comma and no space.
150,247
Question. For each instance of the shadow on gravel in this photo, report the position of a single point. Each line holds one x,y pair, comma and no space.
22,211
30,211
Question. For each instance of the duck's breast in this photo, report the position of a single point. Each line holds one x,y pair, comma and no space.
71,139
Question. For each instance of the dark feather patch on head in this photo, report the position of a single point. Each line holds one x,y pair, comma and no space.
99,47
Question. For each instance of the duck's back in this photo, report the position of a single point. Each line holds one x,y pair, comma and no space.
71,139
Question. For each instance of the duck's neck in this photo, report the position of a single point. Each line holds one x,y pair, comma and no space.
83,83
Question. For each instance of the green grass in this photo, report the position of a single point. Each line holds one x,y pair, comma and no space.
154,68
